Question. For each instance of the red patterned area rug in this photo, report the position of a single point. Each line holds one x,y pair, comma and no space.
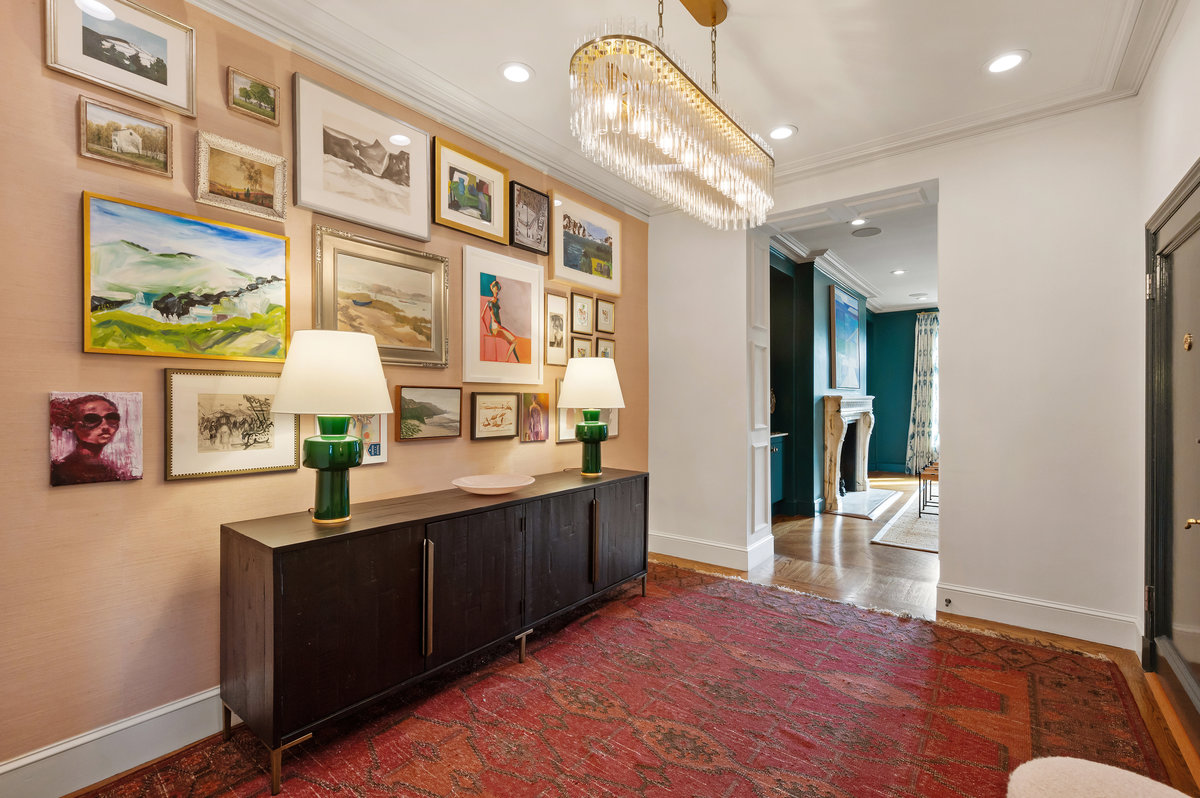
708,687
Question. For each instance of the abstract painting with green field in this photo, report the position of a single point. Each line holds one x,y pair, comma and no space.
168,284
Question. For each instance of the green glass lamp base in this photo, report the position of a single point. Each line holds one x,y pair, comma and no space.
592,432
332,453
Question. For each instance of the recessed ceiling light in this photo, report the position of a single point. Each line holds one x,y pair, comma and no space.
897,271
557,202
400,140
859,222
1007,61
783,132
96,9
920,295
516,71
866,232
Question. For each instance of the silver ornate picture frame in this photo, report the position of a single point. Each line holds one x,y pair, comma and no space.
239,177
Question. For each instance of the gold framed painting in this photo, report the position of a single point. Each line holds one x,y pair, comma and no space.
470,193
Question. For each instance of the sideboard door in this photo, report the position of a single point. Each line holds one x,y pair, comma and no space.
558,553
621,528
477,582
350,622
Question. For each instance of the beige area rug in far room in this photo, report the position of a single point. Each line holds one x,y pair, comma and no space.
907,531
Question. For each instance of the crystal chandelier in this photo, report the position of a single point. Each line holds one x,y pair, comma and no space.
637,113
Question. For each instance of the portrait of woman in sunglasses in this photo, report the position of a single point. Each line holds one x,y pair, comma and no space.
87,425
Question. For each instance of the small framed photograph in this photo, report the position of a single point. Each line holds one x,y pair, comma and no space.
239,177
494,415
253,97
581,347
535,416
373,431
556,330
470,193
95,437
127,48
220,423
606,347
501,318
585,247
583,314
122,137
606,316
529,218
424,413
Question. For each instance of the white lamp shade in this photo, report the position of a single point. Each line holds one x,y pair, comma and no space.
332,373
591,382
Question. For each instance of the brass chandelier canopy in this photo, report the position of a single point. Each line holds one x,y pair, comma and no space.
637,113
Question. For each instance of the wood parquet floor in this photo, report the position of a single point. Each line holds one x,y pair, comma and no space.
832,556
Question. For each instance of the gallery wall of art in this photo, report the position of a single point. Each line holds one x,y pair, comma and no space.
109,590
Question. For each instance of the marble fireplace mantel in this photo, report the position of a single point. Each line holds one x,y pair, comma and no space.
840,411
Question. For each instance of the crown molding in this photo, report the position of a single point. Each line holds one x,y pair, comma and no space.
837,269
877,307
788,245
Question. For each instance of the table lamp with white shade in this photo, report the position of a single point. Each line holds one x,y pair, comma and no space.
334,375
590,385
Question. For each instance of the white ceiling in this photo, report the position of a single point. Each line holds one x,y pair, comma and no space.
861,79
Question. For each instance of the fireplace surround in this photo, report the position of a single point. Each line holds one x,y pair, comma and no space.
840,411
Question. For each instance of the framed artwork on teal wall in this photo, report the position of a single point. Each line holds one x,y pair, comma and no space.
844,335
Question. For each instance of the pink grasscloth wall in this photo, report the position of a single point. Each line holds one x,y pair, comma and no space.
109,592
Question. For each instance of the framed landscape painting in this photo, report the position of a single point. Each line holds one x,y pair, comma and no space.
95,437
502,318
239,177
844,339
399,295
125,47
253,97
585,247
471,193
529,213
359,164
494,415
156,282
424,413
122,137
220,423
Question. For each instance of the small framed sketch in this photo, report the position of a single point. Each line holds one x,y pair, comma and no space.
494,415
529,218
556,330
359,164
220,423
253,97
125,47
239,177
120,136
470,193
424,413
606,347
606,316
585,247
581,347
502,318
95,437
373,431
583,314
399,295
535,416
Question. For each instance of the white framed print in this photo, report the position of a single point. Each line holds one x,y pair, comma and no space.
585,247
502,318
556,330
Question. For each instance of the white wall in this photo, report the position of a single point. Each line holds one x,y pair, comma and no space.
699,407
1170,109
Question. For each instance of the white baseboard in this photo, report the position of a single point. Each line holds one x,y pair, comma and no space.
1085,623
727,555
94,756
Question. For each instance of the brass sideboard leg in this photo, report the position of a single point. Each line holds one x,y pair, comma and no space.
226,722
276,770
521,643
644,578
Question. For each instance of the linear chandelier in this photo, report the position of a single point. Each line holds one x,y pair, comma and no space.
637,113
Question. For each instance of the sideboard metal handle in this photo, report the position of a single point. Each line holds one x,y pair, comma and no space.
595,541
1189,523
428,597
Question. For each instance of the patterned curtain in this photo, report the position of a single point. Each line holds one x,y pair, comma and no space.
924,443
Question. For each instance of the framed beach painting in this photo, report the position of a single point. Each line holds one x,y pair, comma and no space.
399,295
502,318
359,164
471,193
844,338
494,415
95,437
529,214
125,47
125,138
220,423
585,247
157,282
253,97
606,316
372,428
240,178
425,412
556,330
535,417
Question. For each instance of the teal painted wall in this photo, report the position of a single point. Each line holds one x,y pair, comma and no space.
791,363
891,343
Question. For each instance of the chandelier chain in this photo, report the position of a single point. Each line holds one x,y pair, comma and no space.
714,58
660,15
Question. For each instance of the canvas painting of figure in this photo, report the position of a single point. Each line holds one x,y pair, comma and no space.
502,318
95,437
535,416
503,338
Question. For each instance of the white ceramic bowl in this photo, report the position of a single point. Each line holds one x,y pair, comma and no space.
492,484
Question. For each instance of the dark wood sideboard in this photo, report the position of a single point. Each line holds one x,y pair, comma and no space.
317,622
